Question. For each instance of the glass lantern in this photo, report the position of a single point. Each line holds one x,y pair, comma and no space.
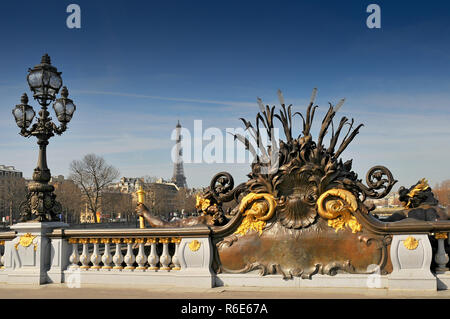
64,107
44,80
23,113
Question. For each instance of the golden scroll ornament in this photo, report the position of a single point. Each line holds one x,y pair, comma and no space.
257,209
337,206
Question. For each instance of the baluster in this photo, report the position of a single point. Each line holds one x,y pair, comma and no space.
107,257
175,259
129,257
95,257
165,257
153,258
441,257
118,257
85,256
74,257
141,259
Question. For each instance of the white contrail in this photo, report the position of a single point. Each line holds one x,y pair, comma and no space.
232,103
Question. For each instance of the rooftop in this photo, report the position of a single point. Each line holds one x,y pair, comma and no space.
8,168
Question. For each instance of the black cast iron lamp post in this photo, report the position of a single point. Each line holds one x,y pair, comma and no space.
45,82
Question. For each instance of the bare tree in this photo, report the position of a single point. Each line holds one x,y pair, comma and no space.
15,192
157,203
185,200
117,204
442,192
92,174
160,198
68,194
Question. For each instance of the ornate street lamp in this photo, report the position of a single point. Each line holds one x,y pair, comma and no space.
45,82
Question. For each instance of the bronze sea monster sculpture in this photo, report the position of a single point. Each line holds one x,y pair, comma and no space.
302,211
418,203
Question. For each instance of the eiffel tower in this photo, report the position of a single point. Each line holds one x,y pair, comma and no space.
178,177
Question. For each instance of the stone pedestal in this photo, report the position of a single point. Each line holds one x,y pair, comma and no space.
195,257
411,259
28,257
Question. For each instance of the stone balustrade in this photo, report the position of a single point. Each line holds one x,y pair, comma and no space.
40,253
142,253
134,256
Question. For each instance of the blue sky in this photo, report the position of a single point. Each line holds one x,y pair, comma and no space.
136,67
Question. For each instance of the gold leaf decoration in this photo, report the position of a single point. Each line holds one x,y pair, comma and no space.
346,219
139,240
250,222
194,245
261,210
26,240
202,203
337,205
411,243
164,240
422,186
441,236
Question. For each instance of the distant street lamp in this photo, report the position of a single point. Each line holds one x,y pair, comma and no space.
45,82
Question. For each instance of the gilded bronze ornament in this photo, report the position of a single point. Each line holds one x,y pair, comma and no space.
194,245
303,209
410,243
25,240
262,207
419,204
